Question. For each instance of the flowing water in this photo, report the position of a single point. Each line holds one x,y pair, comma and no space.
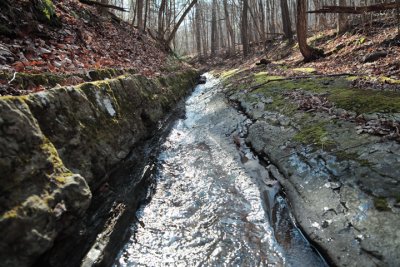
215,204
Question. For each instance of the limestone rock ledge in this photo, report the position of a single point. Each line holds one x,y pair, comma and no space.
344,198
57,146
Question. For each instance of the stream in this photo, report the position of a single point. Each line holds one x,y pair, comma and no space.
215,203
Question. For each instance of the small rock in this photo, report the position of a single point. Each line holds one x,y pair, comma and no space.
202,80
44,51
4,51
371,116
325,224
57,64
59,209
263,61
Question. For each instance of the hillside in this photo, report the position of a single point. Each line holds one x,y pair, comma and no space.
370,52
70,39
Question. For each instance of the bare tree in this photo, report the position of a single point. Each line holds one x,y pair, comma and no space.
139,10
342,19
160,28
308,52
214,32
231,39
244,28
286,23
176,27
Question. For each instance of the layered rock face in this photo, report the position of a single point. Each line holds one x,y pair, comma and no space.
343,183
57,146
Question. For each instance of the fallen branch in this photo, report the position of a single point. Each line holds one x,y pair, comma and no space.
94,3
13,78
357,10
298,78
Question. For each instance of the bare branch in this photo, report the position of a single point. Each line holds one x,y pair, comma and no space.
357,10
94,3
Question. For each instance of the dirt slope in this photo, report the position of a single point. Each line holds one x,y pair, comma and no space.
69,37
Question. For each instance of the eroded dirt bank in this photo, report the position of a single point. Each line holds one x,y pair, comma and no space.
336,154
56,150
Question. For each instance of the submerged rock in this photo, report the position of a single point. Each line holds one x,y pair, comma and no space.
202,79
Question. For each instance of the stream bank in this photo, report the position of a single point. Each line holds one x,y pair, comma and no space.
335,157
57,150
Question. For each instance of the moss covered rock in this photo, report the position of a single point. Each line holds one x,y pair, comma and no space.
46,12
36,189
343,184
57,146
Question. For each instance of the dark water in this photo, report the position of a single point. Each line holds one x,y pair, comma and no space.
215,204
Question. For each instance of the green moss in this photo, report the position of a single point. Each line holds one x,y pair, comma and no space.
281,105
107,73
344,156
9,214
381,204
315,134
339,92
388,80
366,101
263,77
25,80
352,78
57,172
229,73
360,40
48,9
305,70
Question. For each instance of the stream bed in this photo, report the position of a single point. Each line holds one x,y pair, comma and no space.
215,203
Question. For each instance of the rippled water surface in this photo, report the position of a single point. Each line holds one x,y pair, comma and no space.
214,203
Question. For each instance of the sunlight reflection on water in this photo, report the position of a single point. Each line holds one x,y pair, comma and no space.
208,209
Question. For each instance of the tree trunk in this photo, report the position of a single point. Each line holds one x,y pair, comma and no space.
104,9
161,20
139,11
176,27
262,20
286,23
244,28
398,18
308,52
220,31
145,14
214,34
198,29
229,27
342,19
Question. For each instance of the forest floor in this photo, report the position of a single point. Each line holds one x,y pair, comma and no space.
70,40
372,53
361,69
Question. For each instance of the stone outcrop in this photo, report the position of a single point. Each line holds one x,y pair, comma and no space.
57,146
343,184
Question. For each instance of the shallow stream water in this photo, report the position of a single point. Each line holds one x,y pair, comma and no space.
215,203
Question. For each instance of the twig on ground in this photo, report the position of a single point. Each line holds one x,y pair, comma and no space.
13,78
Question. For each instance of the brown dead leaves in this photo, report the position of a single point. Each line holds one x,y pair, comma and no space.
85,41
